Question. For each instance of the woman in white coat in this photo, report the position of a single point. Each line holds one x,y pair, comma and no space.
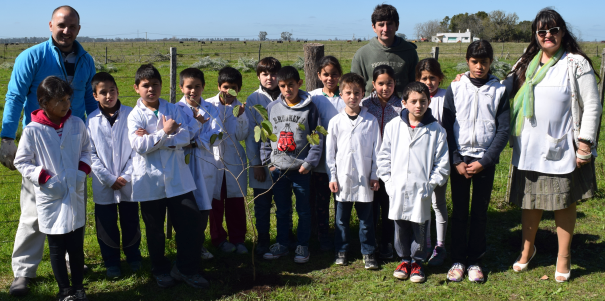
232,180
554,121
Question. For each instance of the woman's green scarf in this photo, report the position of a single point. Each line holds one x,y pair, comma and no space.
523,102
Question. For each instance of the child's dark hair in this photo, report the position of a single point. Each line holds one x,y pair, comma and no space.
191,73
329,60
100,78
288,73
417,87
430,65
51,88
383,69
269,65
352,79
480,49
147,71
230,75
385,12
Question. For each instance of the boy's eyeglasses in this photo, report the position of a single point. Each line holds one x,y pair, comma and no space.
553,31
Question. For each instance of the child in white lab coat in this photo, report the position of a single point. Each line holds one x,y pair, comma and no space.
54,154
112,175
203,122
162,181
412,161
232,182
352,143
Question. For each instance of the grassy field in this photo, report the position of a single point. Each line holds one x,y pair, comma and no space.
231,276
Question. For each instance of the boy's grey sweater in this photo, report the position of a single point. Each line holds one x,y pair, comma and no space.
292,150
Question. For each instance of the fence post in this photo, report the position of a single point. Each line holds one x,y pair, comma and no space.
435,53
105,55
313,53
229,51
172,74
259,45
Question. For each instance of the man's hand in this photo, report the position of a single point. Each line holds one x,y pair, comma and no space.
374,185
119,184
334,187
474,168
259,173
198,116
302,170
461,168
8,149
170,126
141,132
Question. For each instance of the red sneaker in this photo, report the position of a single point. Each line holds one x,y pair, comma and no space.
403,270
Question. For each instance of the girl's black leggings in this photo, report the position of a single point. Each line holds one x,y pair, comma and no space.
73,244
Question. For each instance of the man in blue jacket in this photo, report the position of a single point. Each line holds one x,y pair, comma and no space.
60,56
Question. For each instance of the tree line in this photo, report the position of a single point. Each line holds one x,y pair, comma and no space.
494,26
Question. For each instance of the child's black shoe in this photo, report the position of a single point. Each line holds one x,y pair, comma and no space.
341,258
65,294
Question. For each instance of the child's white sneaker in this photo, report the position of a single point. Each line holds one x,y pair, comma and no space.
206,254
302,254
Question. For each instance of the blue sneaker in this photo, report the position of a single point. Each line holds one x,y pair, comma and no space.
195,281
438,256
113,272
276,251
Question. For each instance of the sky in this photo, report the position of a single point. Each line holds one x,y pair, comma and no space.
310,19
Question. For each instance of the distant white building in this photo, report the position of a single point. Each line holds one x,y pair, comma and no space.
453,37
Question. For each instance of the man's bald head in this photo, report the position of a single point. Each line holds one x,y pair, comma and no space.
67,8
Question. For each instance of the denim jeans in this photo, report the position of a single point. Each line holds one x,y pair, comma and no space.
365,214
285,183
469,249
73,244
262,213
108,233
320,206
410,240
186,220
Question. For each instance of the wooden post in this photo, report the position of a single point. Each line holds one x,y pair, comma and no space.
313,53
602,96
259,45
105,55
229,51
172,74
435,53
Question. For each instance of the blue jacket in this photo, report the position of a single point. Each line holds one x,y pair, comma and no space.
31,67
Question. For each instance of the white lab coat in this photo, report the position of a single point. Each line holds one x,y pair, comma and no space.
436,105
60,202
351,150
111,156
159,169
259,97
201,158
229,154
411,168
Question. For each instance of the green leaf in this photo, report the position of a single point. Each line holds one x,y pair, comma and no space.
257,131
262,111
263,135
302,127
220,136
313,139
272,137
232,92
320,129
187,158
213,138
267,126
236,110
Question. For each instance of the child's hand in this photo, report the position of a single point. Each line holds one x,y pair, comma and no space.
198,116
461,168
302,170
474,168
374,185
241,110
141,132
334,187
170,126
259,173
458,77
119,184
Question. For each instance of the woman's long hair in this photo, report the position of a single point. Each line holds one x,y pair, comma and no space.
546,18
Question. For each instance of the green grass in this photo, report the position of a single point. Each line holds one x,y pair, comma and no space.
231,276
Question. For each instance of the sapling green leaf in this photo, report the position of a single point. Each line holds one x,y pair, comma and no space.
262,111
257,131
236,110
272,137
213,138
320,129
302,127
232,92
267,126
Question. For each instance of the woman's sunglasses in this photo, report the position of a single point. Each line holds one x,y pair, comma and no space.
553,31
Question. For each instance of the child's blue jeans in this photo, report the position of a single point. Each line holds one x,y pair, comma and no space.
285,184
410,240
367,237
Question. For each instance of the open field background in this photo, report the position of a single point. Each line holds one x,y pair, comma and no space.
231,275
